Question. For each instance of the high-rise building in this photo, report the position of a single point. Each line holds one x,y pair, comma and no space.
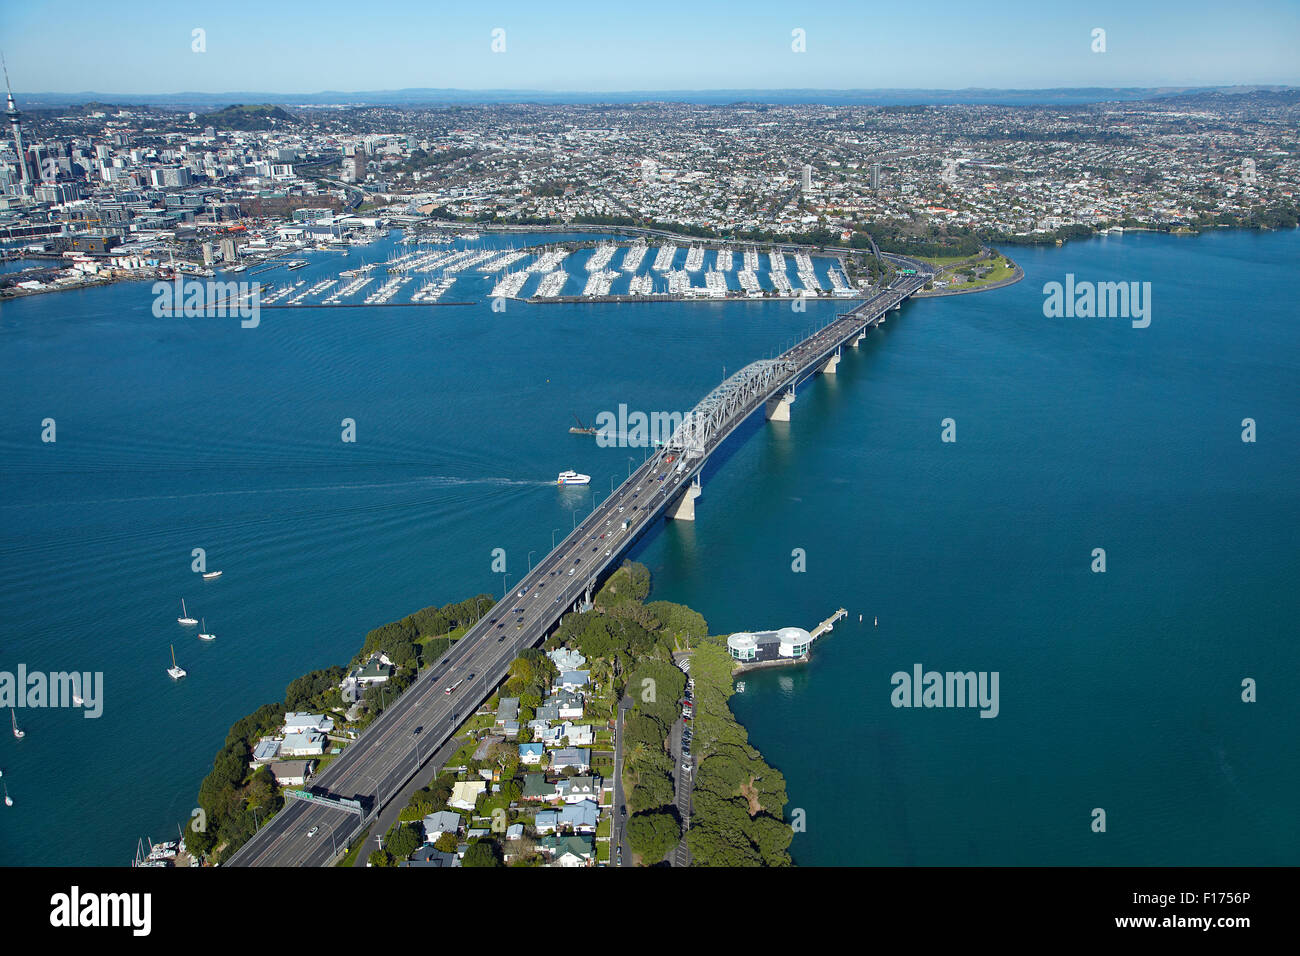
15,124
807,178
875,175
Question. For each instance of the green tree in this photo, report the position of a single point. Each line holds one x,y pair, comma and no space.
483,853
652,835
402,840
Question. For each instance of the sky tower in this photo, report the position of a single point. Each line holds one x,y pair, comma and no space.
15,124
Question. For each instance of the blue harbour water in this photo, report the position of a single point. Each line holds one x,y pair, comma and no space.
1118,690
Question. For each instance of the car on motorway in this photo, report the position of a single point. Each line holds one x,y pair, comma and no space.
571,570
452,689
313,831
609,552
519,623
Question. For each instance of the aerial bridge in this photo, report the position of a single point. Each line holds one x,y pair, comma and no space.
348,795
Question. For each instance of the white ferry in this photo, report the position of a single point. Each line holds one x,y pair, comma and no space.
572,478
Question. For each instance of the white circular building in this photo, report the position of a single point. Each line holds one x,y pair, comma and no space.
795,642
789,643
742,646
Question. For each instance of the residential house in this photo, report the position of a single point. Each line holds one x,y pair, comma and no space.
296,722
580,735
465,794
580,817
377,670
428,856
531,754
577,789
568,705
507,709
573,680
538,789
570,851
308,744
546,821
565,659
551,736
578,757
292,773
440,822
265,751
548,712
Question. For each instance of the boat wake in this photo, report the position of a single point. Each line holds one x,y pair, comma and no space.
442,481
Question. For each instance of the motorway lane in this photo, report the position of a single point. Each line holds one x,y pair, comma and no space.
377,764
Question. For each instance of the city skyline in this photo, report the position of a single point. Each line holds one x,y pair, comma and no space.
673,47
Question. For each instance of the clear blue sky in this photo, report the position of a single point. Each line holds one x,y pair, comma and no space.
287,46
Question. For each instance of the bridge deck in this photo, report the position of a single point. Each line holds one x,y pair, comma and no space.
398,742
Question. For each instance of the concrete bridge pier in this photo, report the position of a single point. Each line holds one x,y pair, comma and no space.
857,338
683,509
828,367
778,408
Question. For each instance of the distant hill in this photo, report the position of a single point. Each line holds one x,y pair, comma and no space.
444,97
240,117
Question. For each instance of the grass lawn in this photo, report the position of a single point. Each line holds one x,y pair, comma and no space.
998,273
944,261
350,858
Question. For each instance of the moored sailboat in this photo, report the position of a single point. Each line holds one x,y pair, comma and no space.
175,672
